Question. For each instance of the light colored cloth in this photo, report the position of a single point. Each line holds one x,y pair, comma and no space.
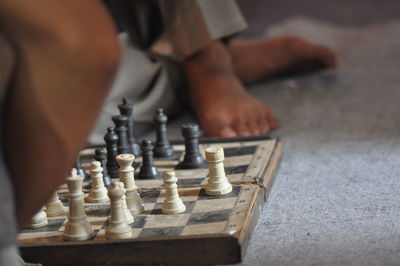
151,81
192,25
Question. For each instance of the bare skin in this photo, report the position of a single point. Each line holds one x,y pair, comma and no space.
66,60
217,73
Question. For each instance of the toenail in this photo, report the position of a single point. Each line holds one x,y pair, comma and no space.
228,132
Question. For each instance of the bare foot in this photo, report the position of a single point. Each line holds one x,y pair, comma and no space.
225,109
223,106
255,60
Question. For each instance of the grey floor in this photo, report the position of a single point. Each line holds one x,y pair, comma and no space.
336,199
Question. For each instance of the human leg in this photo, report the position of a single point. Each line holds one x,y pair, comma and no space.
66,57
256,60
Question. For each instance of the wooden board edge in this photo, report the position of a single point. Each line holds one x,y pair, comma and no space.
219,249
251,221
270,171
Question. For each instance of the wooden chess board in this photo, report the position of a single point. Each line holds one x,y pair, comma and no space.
212,230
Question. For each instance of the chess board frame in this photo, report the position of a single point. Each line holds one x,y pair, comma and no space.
172,250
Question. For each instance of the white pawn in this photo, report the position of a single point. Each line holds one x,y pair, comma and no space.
218,183
118,228
126,175
98,192
127,213
172,202
38,220
55,207
77,227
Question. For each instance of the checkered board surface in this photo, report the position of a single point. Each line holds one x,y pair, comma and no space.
212,230
204,215
244,162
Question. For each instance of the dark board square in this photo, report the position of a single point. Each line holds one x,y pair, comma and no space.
63,197
52,226
233,194
97,210
237,169
174,157
209,217
189,207
160,176
160,232
149,196
139,222
230,152
189,181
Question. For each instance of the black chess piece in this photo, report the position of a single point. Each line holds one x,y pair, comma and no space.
127,109
147,170
192,158
79,170
101,156
163,148
121,122
111,139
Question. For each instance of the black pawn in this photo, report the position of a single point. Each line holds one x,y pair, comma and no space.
120,122
79,170
127,109
101,156
192,158
163,148
111,139
147,170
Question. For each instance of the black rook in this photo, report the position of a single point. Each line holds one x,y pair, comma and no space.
192,158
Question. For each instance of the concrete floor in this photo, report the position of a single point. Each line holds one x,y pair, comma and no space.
336,198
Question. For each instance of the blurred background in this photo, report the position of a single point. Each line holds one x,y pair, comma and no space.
263,13
336,197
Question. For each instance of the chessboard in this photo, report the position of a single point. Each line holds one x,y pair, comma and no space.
212,230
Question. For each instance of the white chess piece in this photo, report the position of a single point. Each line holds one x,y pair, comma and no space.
218,183
98,192
77,227
38,220
172,202
55,207
127,213
126,175
118,228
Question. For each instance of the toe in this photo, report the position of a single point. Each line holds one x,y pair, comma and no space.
227,132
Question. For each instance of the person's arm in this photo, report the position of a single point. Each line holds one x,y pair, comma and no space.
67,53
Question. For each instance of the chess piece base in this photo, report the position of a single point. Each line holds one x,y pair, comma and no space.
173,207
217,190
78,231
119,232
38,220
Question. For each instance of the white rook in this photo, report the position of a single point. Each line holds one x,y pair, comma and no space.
218,183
